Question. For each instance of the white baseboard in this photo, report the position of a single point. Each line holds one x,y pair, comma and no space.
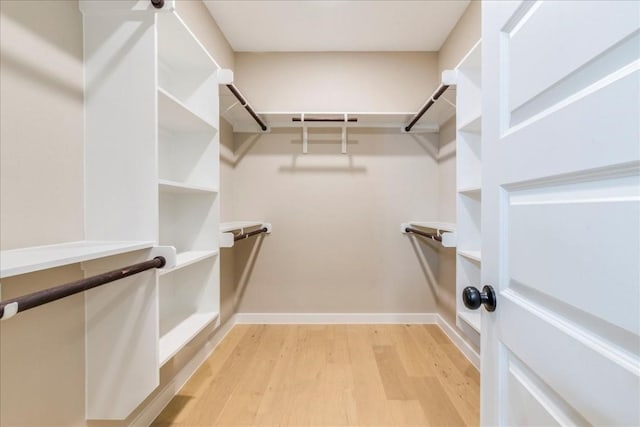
152,409
336,318
465,348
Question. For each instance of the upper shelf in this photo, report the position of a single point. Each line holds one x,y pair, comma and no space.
35,258
226,227
440,226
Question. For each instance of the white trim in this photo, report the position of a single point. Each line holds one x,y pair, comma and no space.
336,318
151,410
463,345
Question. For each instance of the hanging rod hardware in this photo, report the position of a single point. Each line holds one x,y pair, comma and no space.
234,90
243,236
324,119
426,106
158,4
11,307
433,236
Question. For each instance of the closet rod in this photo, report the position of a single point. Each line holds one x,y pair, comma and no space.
321,119
157,3
10,307
247,107
431,236
426,106
249,234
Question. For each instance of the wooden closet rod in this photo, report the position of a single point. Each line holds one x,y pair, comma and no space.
249,234
247,107
426,106
25,302
431,236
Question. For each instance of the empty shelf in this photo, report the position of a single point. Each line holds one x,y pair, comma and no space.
179,187
442,226
176,116
184,259
473,125
226,227
471,318
475,191
472,255
184,331
27,260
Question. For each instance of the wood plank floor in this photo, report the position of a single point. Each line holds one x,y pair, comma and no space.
330,375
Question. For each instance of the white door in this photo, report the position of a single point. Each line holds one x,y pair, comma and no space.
561,212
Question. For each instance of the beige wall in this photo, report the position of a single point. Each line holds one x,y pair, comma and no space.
464,35
336,244
42,351
337,81
41,116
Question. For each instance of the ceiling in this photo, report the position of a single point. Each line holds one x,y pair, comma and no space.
326,25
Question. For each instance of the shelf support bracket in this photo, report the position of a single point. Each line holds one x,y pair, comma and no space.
344,133
305,136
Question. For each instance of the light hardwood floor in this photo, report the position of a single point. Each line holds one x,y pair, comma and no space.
330,375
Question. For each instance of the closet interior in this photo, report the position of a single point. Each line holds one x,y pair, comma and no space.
154,92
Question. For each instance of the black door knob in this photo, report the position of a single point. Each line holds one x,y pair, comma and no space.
473,298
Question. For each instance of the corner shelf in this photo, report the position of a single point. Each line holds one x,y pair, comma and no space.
26,260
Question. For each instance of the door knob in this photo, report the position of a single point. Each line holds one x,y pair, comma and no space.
473,298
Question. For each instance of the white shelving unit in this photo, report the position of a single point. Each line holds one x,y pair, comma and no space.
27,260
469,187
188,182
156,156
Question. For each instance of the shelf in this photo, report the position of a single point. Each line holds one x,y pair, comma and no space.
472,255
187,258
473,125
442,226
471,191
226,227
167,186
176,116
471,318
27,260
184,331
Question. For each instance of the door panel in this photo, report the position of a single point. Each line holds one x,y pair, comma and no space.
551,227
539,38
561,212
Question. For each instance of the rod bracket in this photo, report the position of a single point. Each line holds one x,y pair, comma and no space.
9,311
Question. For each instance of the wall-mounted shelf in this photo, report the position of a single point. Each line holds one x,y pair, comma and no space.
446,230
168,186
227,229
471,318
27,260
187,258
472,255
184,331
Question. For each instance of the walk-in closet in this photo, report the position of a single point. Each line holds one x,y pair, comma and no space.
319,213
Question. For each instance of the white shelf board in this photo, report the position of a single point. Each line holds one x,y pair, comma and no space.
442,226
176,116
175,339
471,318
226,227
473,125
471,191
472,255
27,260
168,186
178,47
187,258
